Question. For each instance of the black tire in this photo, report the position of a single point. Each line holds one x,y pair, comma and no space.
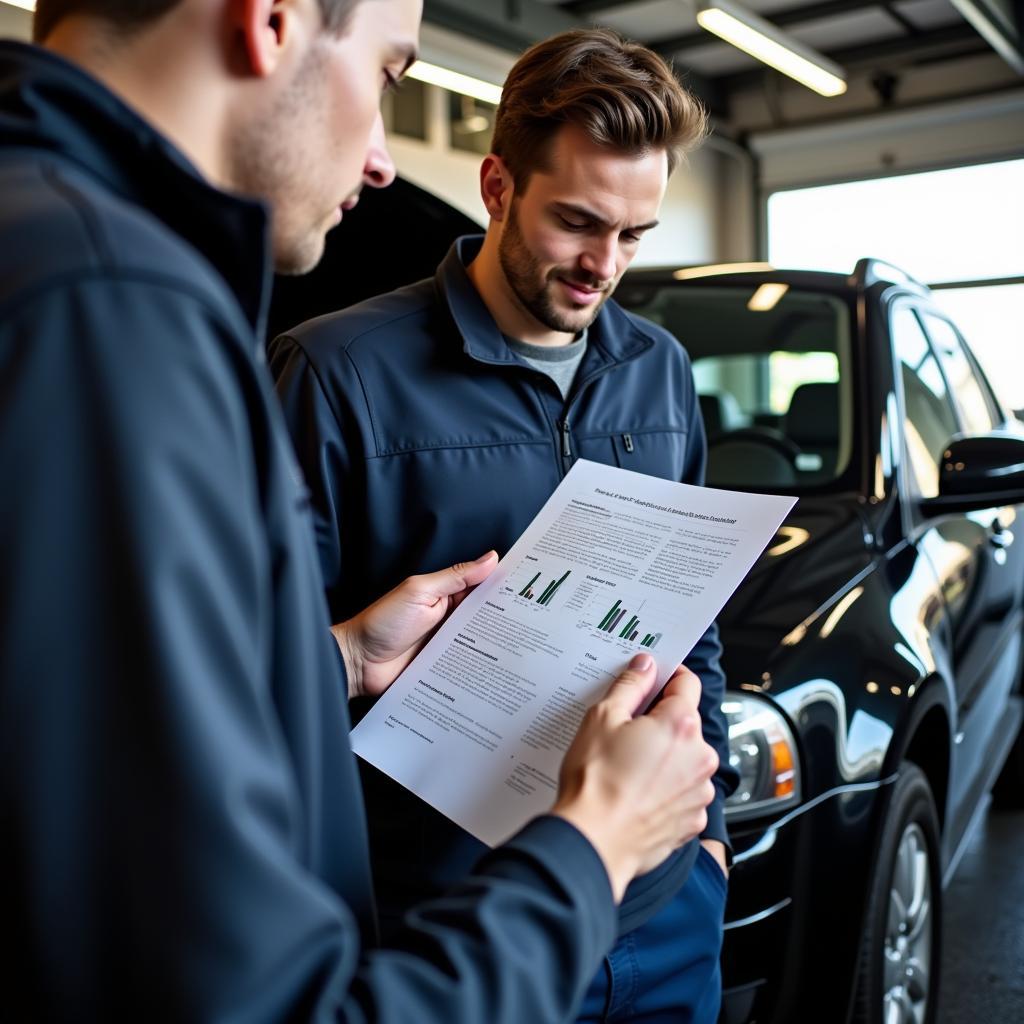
1008,792
901,967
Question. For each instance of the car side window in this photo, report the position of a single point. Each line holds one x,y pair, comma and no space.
967,390
930,419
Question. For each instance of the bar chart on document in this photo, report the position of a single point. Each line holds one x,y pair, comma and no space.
631,623
538,581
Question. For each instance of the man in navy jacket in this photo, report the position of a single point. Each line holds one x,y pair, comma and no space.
183,833
446,413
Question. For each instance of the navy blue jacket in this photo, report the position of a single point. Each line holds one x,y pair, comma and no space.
183,835
426,440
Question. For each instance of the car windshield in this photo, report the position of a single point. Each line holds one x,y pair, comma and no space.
773,374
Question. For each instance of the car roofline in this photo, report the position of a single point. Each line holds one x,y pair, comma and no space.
868,272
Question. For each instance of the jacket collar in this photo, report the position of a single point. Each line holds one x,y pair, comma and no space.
614,337
47,102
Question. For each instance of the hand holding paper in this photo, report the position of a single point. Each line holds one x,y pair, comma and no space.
614,564
638,788
379,642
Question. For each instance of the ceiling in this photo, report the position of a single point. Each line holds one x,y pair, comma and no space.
834,27
880,43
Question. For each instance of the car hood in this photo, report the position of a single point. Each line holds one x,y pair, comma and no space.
817,551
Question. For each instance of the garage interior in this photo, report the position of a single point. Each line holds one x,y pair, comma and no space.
929,88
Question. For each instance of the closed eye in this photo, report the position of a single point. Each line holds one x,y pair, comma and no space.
572,225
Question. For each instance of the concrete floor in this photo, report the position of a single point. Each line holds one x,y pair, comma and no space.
982,978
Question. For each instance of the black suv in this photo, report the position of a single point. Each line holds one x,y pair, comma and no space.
874,653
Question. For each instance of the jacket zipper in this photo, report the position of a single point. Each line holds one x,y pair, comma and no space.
564,424
627,440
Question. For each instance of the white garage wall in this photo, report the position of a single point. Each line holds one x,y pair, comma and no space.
687,232
452,175
15,23
736,205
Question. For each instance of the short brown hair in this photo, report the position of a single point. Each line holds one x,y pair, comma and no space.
134,14
621,94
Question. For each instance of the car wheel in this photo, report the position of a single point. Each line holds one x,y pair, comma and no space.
899,960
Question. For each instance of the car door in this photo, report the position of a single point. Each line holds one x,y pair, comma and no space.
955,545
987,633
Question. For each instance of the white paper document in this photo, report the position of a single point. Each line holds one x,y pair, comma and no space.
614,563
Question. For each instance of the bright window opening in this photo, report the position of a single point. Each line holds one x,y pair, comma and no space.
943,227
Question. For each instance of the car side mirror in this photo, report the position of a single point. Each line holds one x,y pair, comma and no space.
979,471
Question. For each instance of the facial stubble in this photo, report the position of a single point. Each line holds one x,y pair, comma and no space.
268,161
532,288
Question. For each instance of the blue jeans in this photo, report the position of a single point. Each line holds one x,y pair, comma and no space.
667,970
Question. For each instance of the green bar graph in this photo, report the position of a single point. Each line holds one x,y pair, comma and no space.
529,592
626,626
611,615
552,588
525,591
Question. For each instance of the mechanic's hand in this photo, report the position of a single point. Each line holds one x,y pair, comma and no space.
638,788
380,641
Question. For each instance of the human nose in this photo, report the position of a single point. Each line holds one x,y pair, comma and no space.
379,169
598,259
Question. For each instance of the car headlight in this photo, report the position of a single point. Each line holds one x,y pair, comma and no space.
763,751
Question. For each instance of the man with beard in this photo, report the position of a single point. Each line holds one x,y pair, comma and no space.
446,413
183,832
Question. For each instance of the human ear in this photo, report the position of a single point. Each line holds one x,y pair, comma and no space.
496,186
265,27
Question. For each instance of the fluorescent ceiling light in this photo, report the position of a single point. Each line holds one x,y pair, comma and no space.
752,34
25,5
767,297
714,269
453,81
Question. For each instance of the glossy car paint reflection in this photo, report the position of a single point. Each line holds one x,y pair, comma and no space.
883,634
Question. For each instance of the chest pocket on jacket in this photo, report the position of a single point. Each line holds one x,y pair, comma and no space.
655,452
